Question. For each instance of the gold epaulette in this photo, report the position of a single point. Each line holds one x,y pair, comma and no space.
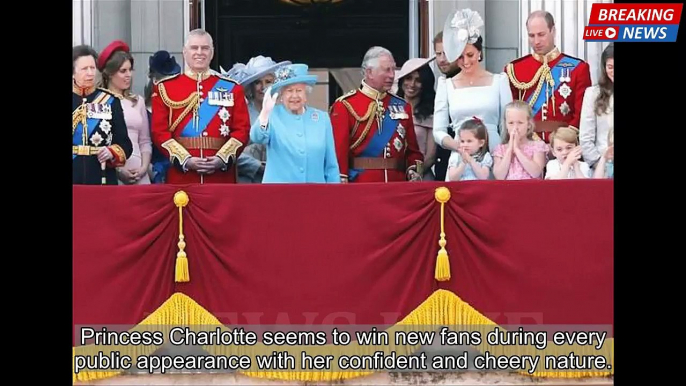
367,115
346,95
166,78
105,90
176,104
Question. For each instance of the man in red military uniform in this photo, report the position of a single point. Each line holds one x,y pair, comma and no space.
199,118
552,82
373,129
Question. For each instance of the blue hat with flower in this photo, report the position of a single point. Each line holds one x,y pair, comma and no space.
292,74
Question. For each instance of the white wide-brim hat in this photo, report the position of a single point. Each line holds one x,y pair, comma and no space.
412,65
461,27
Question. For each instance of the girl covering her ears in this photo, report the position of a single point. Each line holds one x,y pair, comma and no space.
519,157
472,161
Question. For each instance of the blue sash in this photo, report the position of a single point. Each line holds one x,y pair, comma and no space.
565,63
92,123
376,146
206,112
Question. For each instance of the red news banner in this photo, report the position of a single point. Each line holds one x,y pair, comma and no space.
612,22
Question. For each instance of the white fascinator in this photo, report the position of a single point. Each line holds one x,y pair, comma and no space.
462,27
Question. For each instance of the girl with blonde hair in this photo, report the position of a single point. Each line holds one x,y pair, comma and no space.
519,156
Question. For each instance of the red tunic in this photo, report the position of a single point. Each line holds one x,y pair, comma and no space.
221,125
367,154
566,79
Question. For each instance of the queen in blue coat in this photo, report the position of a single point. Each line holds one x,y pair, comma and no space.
299,138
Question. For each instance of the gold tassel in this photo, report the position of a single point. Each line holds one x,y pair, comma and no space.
182,275
442,273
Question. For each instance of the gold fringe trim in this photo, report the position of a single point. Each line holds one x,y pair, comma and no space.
442,308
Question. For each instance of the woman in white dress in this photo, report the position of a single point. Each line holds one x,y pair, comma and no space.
597,112
474,92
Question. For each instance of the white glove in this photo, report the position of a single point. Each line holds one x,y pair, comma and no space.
267,105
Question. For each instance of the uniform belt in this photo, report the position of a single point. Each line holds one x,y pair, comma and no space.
549,126
378,163
208,143
85,150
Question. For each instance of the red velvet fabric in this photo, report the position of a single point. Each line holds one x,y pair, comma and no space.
534,252
346,254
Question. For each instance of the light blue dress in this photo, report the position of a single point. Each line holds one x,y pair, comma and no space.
300,148
458,104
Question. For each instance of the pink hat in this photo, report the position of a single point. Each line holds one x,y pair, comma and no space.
412,65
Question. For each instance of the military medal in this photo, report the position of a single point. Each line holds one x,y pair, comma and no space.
221,97
96,138
565,91
397,112
99,111
401,130
397,143
564,108
105,126
224,115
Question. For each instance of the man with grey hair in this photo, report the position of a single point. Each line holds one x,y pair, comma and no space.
200,118
374,129
553,83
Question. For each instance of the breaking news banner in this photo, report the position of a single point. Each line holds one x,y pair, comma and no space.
650,22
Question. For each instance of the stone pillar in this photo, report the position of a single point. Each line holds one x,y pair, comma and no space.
111,21
155,25
570,19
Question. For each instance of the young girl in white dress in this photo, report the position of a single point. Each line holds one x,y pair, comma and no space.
472,161
472,92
